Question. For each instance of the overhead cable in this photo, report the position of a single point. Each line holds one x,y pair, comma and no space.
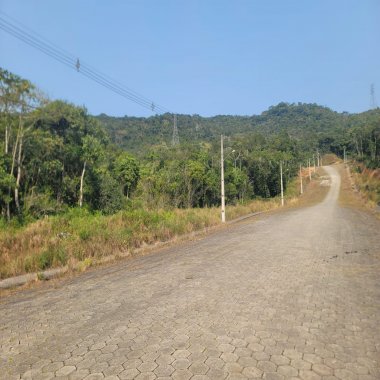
36,41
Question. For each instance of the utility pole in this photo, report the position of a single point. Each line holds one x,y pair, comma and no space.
344,155
301,179
318,157
222,179
314,162
282,185
309,171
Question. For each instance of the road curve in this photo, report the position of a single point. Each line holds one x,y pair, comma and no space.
292,295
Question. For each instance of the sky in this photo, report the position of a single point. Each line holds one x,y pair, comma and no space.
204,57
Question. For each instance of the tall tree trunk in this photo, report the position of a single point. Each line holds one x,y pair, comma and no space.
6,139
7,129
361,147
357,146
19,162
18,177
8,212
81,185
14,152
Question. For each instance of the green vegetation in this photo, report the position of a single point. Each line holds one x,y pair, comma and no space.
312,126
55,156
73,186
79,238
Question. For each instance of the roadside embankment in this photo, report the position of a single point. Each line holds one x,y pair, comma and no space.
78,239
360,187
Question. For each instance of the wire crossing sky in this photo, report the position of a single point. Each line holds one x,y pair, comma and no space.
16,29
204,57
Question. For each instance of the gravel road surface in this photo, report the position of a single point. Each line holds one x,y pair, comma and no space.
292,295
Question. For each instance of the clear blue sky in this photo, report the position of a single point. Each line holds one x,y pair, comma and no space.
204,56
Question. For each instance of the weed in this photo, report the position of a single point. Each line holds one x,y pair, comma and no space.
41,276
52,256
38,246
83,265
45,259
84,235
28,264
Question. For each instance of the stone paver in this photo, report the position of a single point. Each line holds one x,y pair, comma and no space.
293,295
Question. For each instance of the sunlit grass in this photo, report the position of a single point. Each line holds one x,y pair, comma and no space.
78,239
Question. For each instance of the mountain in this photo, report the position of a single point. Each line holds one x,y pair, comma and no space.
298,120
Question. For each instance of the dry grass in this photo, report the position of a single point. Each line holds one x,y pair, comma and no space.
313,194
348,197
79,239
367,181
359,189
233,212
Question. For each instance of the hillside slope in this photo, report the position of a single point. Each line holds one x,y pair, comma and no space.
301,121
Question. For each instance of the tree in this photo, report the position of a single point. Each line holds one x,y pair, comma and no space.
17,97
91,152
110,194
127,172
7,182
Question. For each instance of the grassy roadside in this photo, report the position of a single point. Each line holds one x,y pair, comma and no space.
78,239
313,194
360,187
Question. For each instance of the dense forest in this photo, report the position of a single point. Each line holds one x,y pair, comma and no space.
311,125
55,156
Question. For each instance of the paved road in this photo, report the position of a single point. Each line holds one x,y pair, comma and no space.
293,295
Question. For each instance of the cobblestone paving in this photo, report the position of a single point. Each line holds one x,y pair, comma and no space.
294,295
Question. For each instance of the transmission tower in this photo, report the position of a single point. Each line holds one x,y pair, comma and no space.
373,98
175,138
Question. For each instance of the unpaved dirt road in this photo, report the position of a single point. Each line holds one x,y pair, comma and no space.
295,294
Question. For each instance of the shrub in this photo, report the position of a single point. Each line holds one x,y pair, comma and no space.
52,256
110,195
45,259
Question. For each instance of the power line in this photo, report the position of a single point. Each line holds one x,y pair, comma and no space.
71,58
38,42
40,45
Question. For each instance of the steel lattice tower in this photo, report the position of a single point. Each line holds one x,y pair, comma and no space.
175,137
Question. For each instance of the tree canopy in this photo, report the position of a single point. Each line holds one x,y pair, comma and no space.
55,155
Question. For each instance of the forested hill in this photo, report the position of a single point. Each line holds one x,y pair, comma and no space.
301,121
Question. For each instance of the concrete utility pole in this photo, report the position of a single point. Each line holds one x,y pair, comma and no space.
314,162
344,155
282,185
222,179
301,179
309,170
318,157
